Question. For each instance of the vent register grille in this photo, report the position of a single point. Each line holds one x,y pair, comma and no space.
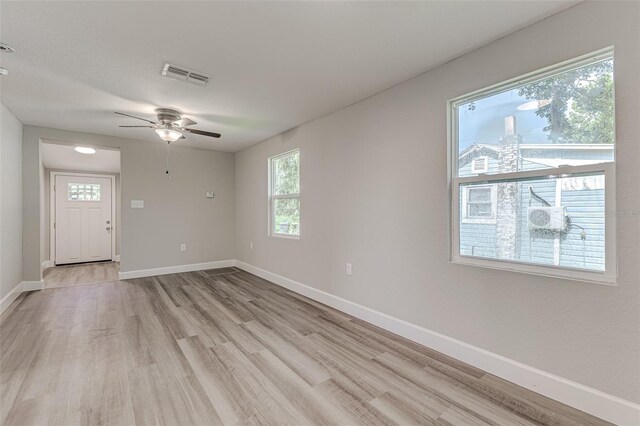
184,74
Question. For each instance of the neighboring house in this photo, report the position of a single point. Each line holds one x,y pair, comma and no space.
488,212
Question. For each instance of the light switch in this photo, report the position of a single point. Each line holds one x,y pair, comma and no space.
137,204
208,194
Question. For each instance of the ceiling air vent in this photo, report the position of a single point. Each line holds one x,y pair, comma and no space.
184,74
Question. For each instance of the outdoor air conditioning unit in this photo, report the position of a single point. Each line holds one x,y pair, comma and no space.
548,219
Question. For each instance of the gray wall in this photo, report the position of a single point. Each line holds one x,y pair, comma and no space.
374,193
45,237
10,201
176,210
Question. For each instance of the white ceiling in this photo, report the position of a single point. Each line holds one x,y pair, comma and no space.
275,65
65,157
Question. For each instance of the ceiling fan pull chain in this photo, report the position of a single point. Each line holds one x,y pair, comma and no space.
168,157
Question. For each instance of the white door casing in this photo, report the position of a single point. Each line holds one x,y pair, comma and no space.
83,218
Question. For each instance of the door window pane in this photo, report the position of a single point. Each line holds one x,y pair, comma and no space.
83,192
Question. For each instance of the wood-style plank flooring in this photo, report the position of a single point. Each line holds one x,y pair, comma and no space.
86,273
226,347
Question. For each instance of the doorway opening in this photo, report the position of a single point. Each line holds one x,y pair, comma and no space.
82,191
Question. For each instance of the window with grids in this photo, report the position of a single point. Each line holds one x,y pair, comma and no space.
83,192
533,172
284,194
479,204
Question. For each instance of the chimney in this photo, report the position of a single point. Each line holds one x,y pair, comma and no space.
510,126
507,193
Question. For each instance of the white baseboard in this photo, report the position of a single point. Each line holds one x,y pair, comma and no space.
117,258
15,292
10,297
31,285
47,264
584,398
176,269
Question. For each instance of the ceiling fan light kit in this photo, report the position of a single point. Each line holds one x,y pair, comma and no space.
170,126
168,134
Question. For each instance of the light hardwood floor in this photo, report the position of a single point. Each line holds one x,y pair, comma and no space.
86,273
226,347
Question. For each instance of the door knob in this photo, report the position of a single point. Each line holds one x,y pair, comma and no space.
108,222
108,228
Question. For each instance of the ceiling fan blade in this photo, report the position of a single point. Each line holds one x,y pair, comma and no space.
184,122
147,127
203,133
137,118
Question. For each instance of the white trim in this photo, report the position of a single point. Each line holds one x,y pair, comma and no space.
52,211
10,297
587,399
126,275
31,285
563,171
47,264
117,258
17,290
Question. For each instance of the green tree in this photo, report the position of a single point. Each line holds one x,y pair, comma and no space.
592,119
582,103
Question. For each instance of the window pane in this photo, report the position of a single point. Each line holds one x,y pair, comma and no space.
544,221
286,216
480,210
479,195
565,119
286,174
83,192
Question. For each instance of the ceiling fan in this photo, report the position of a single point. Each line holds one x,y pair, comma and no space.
171,126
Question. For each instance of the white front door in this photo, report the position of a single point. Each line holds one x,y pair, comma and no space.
83,223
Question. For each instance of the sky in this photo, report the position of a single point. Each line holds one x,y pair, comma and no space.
485,124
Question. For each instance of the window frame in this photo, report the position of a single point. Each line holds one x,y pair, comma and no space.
273,197
465,205
610,275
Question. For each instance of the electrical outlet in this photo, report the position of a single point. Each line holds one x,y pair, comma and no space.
183,247
251,245
349,269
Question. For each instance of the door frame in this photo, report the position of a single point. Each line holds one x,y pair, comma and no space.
52,210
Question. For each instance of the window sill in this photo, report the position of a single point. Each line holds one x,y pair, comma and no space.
285,236
559,272
481,221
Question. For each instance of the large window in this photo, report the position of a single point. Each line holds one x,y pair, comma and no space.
533,172
284,195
